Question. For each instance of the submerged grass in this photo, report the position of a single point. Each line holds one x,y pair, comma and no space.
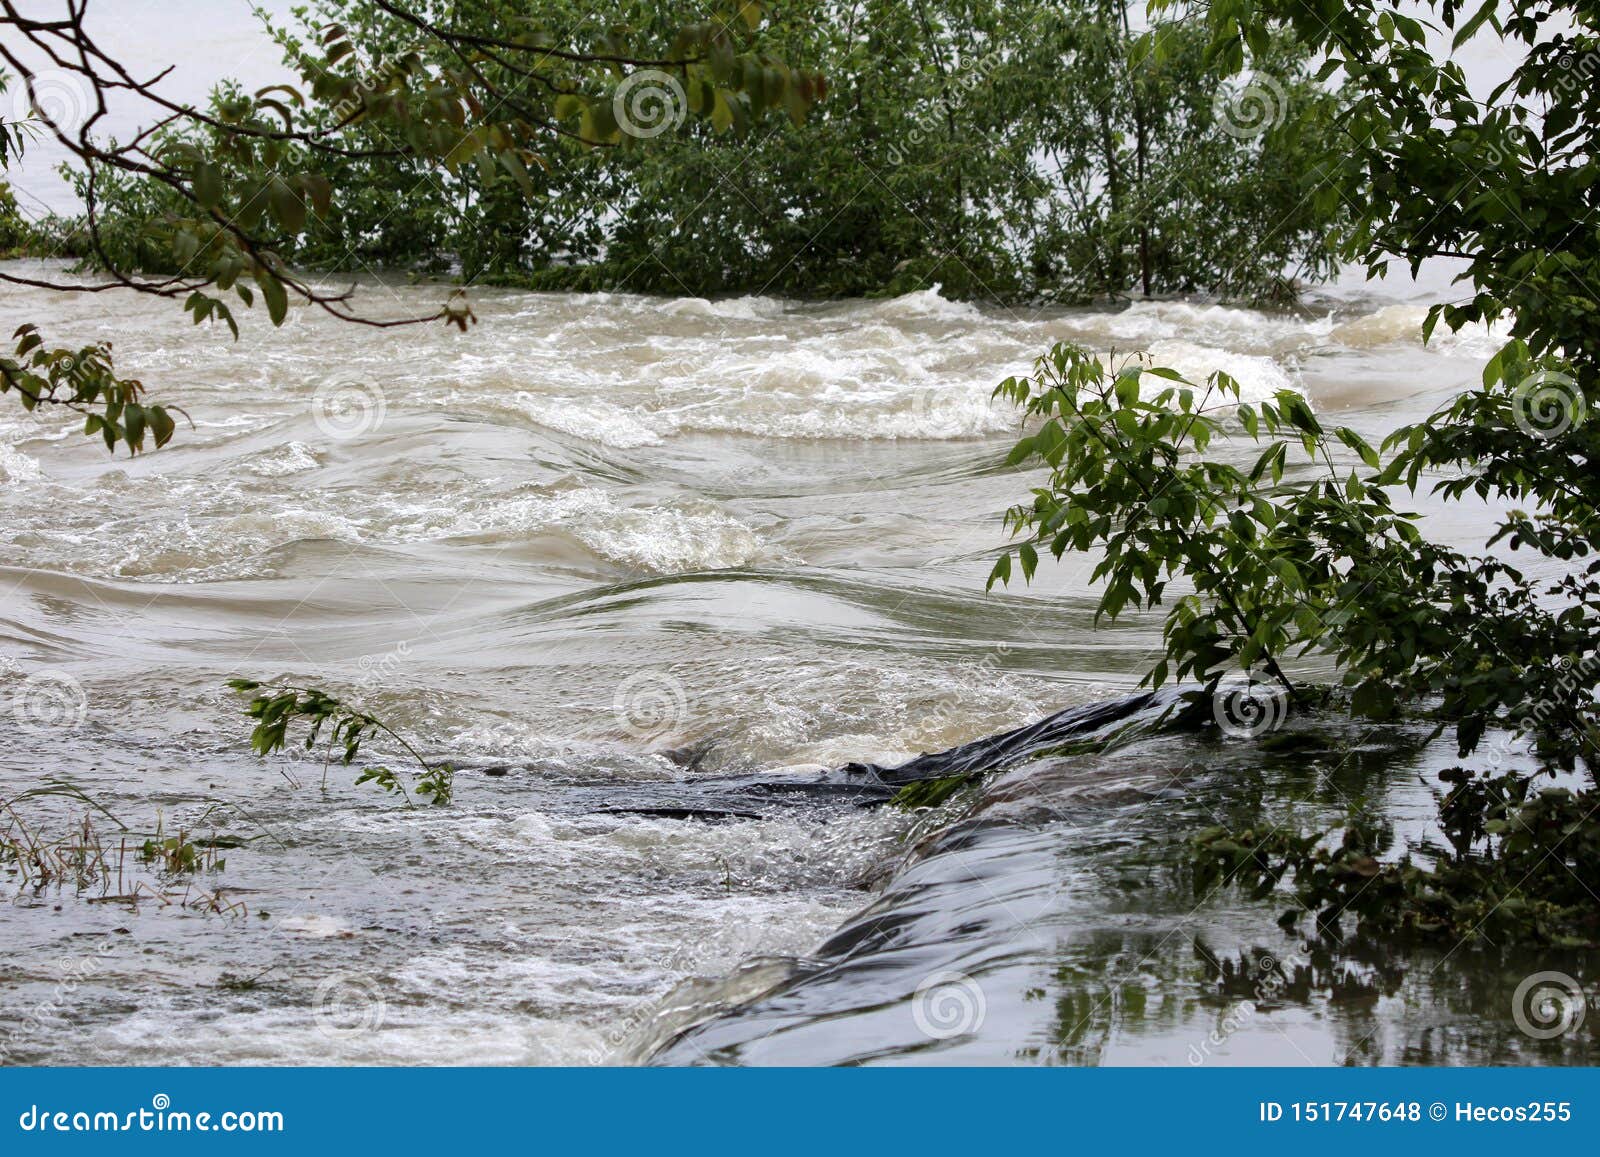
110,866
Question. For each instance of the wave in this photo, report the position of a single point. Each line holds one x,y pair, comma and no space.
1259,377
654,539
1402,325
195,530
749,308
924,304
17,467
597,420
1238,329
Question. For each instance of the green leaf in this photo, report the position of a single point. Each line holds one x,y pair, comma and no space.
721,113
1359,444
1001,572
207,185
275,295
287,206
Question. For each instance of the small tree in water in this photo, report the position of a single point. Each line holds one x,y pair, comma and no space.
1306,550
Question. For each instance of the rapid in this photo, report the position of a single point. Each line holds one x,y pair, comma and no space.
609,544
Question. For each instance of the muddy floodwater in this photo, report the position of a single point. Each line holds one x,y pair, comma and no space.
603,550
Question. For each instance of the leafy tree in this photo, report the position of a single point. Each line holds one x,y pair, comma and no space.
953,150
949,151
231,189
1170,177
1306,551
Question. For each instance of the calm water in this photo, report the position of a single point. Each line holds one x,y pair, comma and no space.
599,549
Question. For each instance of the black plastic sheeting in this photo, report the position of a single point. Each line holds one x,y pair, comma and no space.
1074,725
757,795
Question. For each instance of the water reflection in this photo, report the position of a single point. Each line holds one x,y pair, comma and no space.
1062,922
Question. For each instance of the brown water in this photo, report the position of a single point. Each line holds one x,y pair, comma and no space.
595,530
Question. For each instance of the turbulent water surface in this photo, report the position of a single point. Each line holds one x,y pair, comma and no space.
601,548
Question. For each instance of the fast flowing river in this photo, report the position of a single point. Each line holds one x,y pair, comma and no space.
604,548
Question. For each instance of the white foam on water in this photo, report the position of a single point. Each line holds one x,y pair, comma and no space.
755,853
927,413
1238,329
1390,325
200,529
402,1035
1473,341
658,539
748,308
595,419
1401,324
671,541
1259,377
924,304
17,467
289,458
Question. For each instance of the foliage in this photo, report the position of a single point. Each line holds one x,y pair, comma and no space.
1170,178
931,793
348,727
1527,885
948,151
36,860
1274,566
14,135
1318,558
84,381
87,860
13,229
951,152
177,854
220,197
